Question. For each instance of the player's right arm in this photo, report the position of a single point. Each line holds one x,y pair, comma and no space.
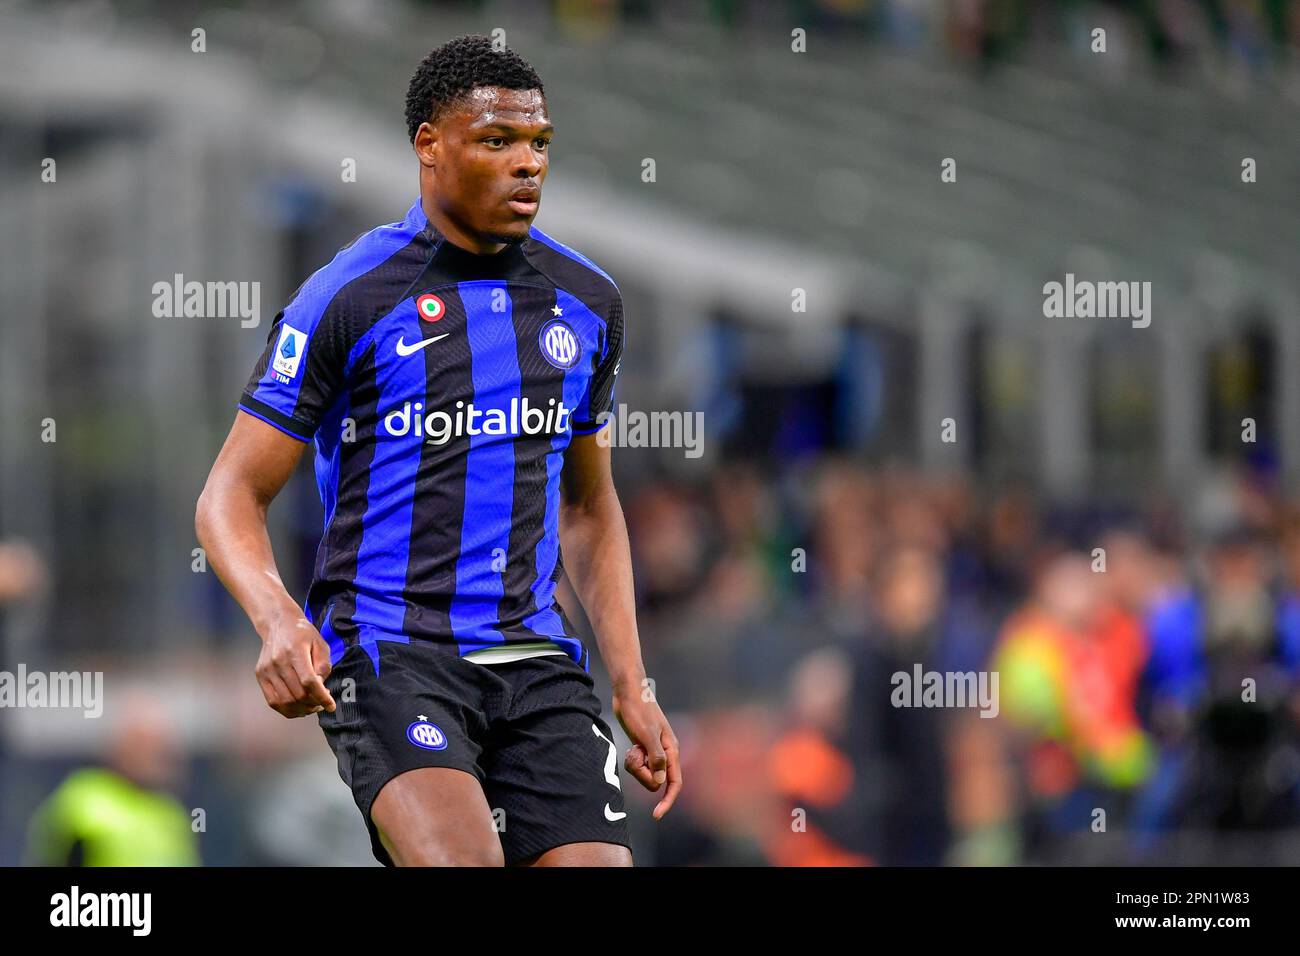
254,464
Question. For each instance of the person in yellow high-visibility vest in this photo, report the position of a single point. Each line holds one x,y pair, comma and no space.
120,814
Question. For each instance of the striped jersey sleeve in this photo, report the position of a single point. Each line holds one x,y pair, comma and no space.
599,397
300,371
303,369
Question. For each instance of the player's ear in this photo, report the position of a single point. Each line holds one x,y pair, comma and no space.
426,144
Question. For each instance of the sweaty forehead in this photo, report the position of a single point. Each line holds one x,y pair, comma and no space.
484,105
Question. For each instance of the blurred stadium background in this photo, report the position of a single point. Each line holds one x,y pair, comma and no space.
774,171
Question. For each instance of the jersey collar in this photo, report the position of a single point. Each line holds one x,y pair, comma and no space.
510,262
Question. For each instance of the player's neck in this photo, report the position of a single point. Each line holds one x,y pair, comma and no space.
461,239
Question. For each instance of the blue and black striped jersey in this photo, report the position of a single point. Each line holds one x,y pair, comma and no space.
441,389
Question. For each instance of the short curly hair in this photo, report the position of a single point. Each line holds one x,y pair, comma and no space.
455,68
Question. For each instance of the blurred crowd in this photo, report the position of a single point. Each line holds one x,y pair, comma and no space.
1147,706
1239,38
1148,668
1245,36
1254,35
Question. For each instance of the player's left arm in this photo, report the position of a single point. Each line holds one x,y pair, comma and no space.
593,538
598,559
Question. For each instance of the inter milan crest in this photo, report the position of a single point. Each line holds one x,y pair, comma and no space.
426,735
559,344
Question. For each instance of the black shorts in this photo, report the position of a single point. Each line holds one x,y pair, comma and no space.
529,730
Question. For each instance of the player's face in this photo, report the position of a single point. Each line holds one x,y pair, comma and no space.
490,156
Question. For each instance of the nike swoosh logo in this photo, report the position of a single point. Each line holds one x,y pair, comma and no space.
403,349
611,816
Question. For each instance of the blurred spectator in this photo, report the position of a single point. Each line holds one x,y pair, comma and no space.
819,787
1224,671
22,572
902,750
1069,663
120,814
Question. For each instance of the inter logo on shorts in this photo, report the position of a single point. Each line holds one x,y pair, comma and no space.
426,735
430,307
559,344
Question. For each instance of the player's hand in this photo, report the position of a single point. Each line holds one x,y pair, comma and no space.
653,759
292,668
